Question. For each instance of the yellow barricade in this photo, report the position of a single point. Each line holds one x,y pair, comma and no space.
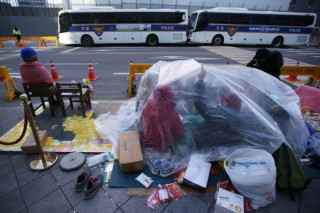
294,71
312,71
133,69
6,78
41,40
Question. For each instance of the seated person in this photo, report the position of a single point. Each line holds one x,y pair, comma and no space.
160,123
267,61
34,72
219,119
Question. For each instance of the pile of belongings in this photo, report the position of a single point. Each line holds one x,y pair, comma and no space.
185,107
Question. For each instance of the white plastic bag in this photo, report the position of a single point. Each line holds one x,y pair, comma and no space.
109,126
253,173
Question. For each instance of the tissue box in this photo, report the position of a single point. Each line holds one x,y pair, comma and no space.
30,145
228,202
129,152
197,173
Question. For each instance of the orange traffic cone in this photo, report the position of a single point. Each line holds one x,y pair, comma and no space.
20,43
42,43
54,72
91,75
293,77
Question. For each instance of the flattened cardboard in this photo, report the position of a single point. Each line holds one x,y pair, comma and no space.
129,152
228,202
30,145
197,174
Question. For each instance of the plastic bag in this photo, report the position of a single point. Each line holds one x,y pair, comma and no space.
109,126
253,173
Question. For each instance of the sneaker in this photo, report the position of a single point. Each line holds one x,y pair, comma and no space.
82,180
167,169
92,186
154,166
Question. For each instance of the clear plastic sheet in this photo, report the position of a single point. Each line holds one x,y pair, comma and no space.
109,126
148,82
213,110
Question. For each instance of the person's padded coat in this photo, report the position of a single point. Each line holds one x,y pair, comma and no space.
161,124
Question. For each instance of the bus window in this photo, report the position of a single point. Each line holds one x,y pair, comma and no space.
203,21
128,17
303,20
64,22
104,18
281,20
81,18
150,18
239,18
220,18
260,19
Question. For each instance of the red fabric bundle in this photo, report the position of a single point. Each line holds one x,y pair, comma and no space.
160,122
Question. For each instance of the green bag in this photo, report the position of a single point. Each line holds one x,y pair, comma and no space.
290,174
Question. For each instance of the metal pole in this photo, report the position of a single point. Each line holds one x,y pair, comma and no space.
46,159
24,98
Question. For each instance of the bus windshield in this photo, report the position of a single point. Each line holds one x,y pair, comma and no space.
192,21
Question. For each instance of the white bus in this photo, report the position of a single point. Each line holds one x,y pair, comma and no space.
220,26
89,26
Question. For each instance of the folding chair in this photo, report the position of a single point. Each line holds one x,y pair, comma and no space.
43,92
73,91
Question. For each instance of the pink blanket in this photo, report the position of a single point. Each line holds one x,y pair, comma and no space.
309,97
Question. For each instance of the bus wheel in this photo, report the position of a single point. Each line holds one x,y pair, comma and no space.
152,40
217,40
277,42
86,41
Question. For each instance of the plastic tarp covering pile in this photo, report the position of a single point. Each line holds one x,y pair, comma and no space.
213,110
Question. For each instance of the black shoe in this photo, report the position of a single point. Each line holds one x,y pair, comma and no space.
92,186
82,180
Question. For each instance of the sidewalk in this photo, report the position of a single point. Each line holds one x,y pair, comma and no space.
52,190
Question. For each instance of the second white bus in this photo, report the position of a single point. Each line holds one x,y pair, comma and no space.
220,26
108,25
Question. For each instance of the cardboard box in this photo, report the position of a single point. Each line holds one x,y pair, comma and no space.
197,174
30,146
129,152
228,202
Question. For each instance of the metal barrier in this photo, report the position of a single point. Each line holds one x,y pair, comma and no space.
313,71
41,40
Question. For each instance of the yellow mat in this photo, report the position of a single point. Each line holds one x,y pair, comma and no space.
86,138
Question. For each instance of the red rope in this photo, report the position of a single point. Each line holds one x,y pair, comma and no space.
23,132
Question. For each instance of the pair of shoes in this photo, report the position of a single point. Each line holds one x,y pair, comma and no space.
165,168
89,184
154,166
